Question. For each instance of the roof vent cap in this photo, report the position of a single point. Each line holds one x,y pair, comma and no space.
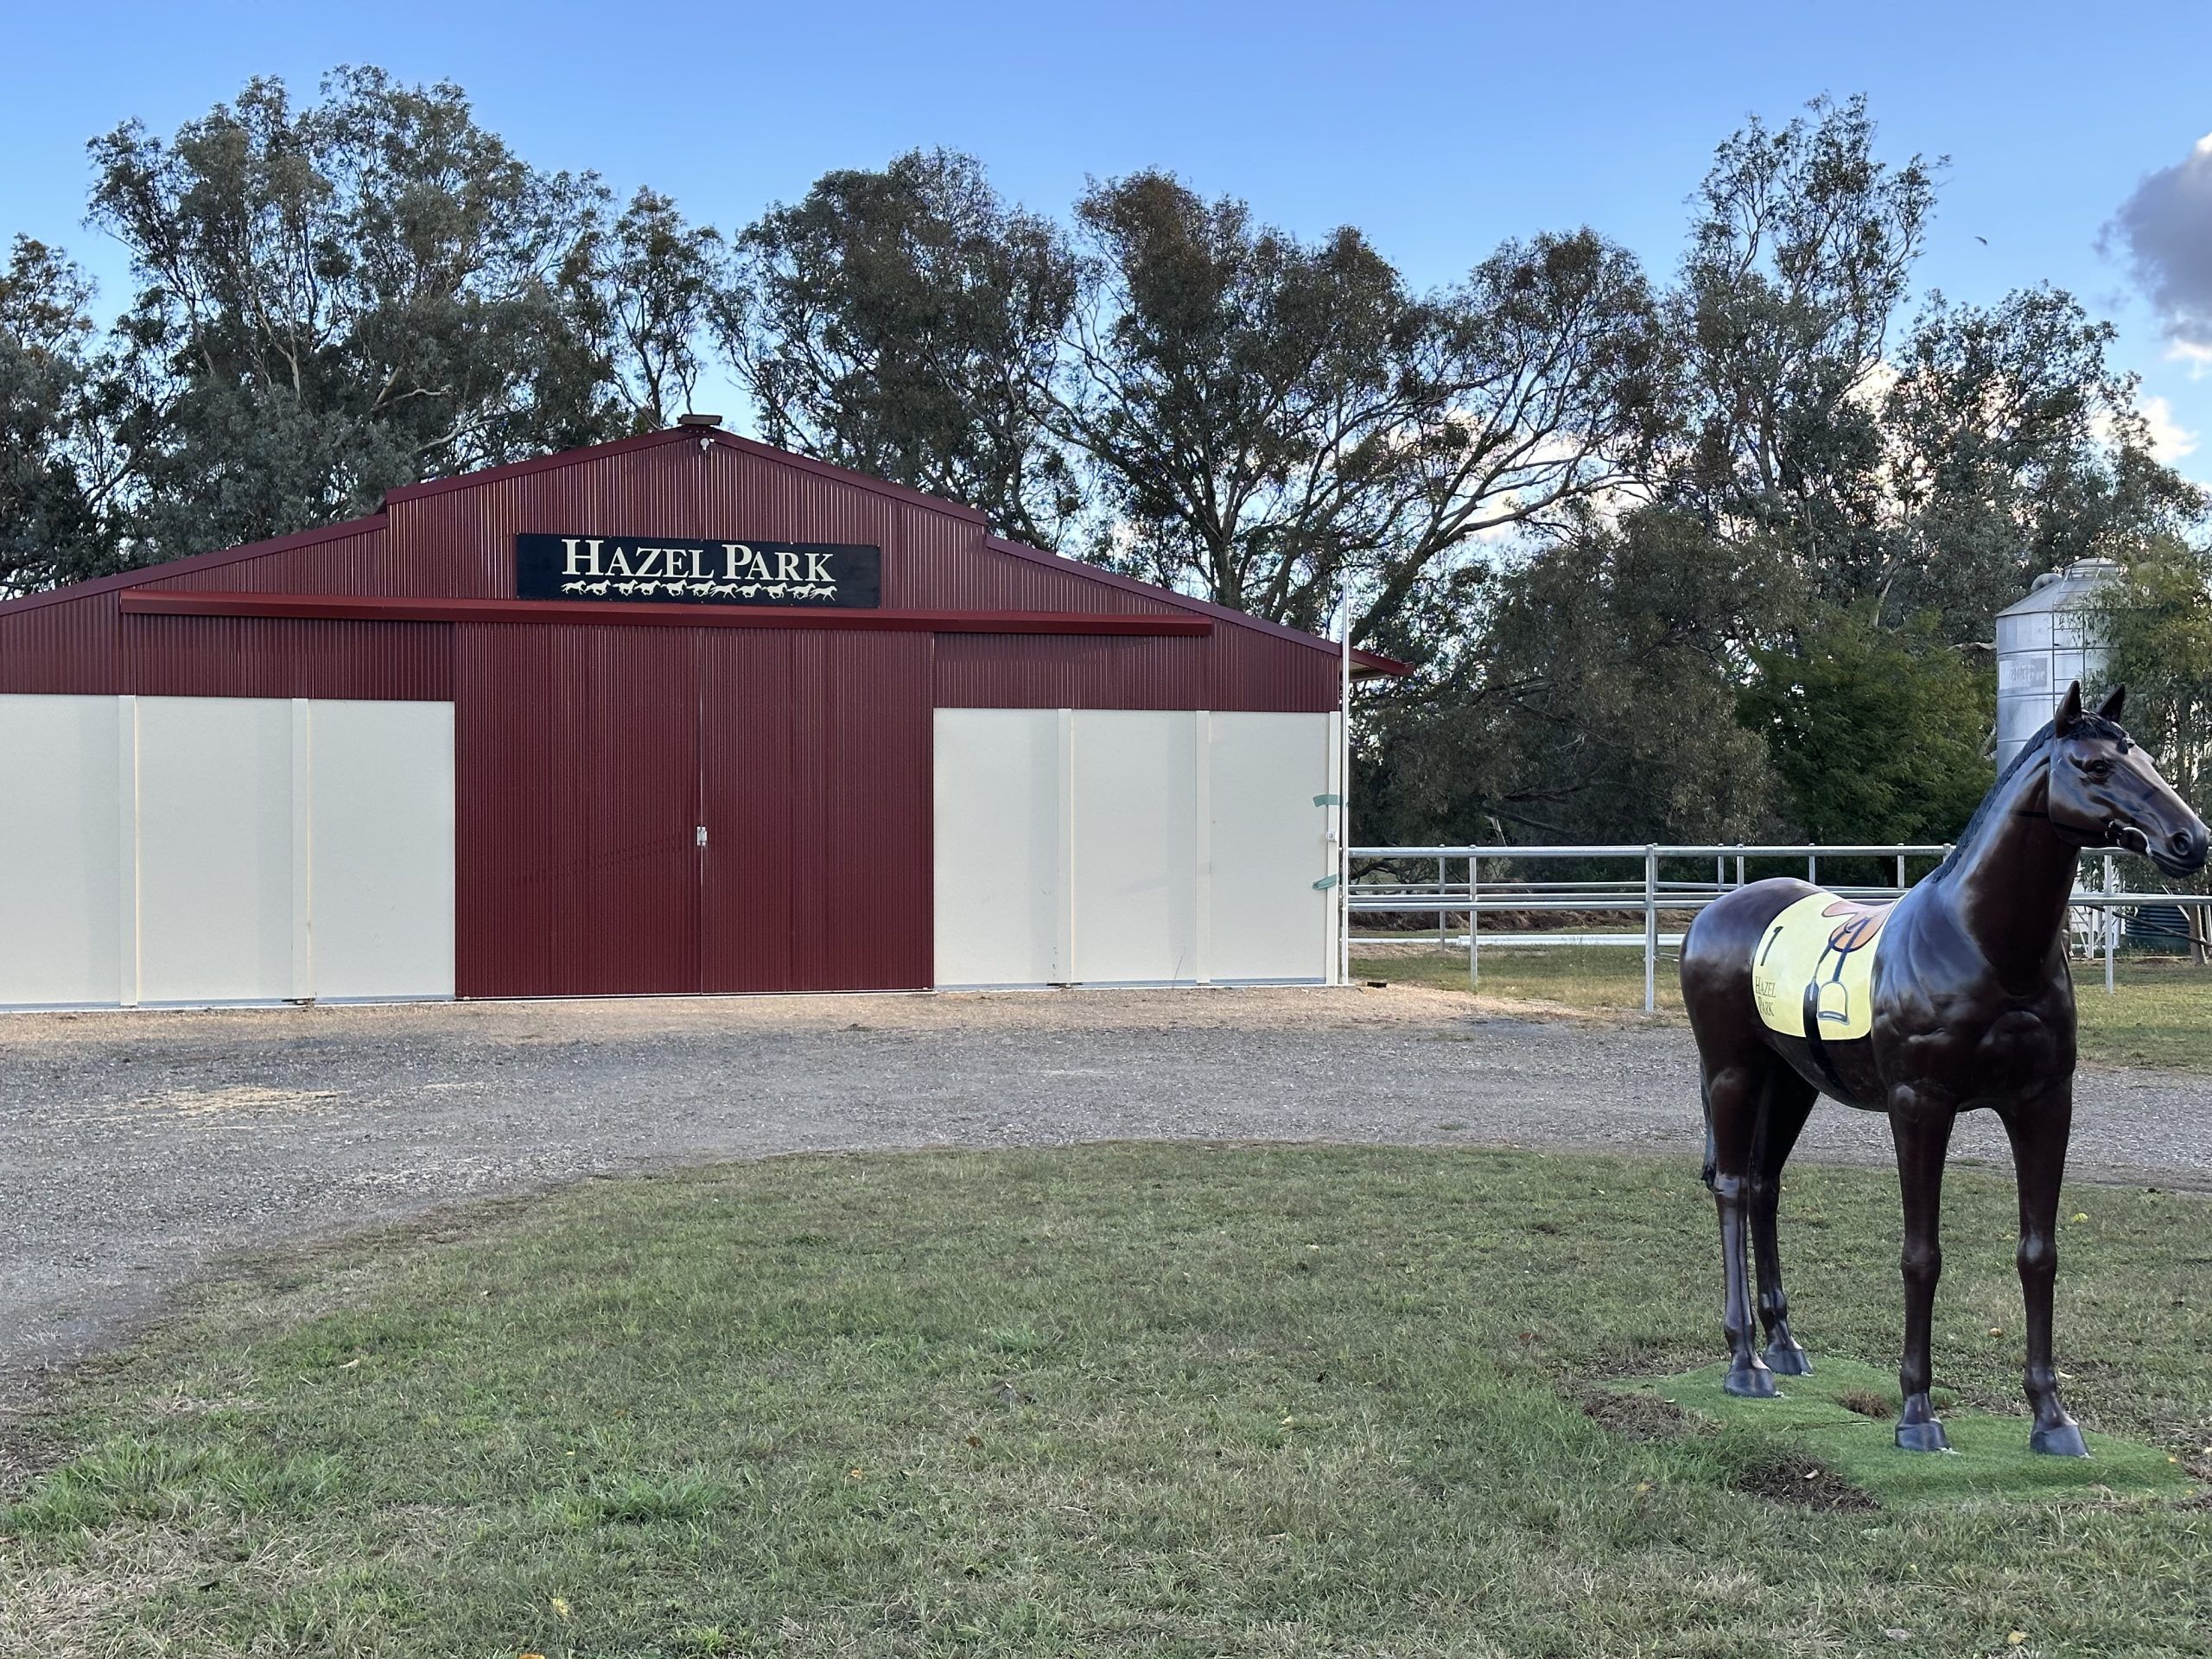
699,420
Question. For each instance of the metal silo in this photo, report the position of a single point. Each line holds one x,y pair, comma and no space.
2043,642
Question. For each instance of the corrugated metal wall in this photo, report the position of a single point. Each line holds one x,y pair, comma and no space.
1008,670
577,755
584,766
815,781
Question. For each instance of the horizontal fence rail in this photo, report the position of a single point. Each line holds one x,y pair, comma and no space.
1459,887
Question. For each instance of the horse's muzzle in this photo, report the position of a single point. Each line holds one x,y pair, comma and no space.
2183,852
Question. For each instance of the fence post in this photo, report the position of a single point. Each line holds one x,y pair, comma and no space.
2112,921
1900,872
1650,929
1443,896
1474,895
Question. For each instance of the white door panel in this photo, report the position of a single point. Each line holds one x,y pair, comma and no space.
215,907
1269,843
1000,876
1135,845
381,848
64,768
224,849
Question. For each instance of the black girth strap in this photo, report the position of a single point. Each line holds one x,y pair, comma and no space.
1815,1041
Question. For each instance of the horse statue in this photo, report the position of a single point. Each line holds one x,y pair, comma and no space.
1953,998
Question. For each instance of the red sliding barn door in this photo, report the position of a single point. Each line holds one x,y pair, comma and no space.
577,760
650,810
815,792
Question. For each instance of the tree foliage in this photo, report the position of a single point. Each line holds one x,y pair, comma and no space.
1270,420
641,293
1592,699
907,323
1875,734
57,462
335,299
2157,624
1708,555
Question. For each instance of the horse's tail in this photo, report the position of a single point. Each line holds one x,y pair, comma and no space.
1712,1156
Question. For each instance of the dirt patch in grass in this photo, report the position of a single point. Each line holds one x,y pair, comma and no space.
24,1455
1805,1484
1641,1416
1867,1403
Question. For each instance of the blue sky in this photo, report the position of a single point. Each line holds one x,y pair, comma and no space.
1437,129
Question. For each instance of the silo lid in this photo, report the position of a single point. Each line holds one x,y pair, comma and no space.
2063,590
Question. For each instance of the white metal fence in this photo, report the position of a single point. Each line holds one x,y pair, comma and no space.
1660,883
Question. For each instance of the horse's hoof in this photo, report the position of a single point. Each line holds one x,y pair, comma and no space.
2061,1441
1792,1361
1921,1437
1751,1381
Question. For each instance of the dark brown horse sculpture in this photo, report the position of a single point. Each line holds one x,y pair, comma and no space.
1953,998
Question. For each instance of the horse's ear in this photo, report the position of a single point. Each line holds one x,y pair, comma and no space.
2115,699
2070,711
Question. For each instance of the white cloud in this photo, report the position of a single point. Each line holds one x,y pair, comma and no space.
2169,439
2199,358
2165,227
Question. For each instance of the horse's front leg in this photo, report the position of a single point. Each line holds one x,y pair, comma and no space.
1923,1133
2039,1129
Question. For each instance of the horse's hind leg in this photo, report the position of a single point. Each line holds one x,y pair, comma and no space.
1788,1103
1735,1092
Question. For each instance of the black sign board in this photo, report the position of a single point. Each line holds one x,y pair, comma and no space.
659,569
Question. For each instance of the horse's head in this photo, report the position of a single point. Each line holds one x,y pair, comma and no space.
2106,790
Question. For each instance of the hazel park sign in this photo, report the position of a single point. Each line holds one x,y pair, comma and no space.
640,568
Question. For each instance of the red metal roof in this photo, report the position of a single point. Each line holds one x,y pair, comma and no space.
448,542
194,571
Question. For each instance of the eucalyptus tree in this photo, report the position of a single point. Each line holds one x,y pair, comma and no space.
1270,421
643,290
907,322
2156,622
2010,446
335,298
1929,459
59,470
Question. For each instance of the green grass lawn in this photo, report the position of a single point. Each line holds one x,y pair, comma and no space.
1130,1400
2161,1013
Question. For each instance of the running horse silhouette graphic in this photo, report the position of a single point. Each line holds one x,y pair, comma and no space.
1952,999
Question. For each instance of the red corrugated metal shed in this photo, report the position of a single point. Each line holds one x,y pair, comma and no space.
592,748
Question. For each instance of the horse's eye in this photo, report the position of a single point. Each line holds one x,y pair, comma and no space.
2097,768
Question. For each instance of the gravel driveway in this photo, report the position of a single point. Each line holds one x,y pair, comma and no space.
133,1146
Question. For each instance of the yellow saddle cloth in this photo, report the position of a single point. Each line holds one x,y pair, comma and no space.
1815,966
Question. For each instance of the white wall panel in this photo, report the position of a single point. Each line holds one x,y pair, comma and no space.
381,863
1000,883
1269,844
215,900
222,849
63,773
1135,800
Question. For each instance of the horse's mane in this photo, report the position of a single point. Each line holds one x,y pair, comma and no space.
2087,725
